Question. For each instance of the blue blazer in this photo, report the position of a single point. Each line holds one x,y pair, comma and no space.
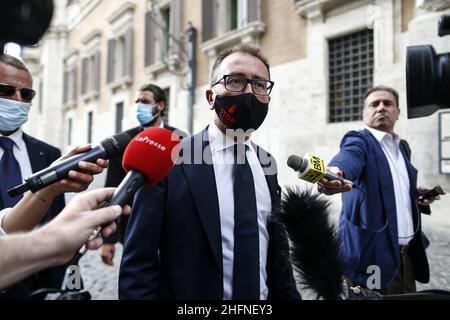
368,223
173,248
41,156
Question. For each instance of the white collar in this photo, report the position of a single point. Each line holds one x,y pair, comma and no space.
220,141
380,135
16,137
161,125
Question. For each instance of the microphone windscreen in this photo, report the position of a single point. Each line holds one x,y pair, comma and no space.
297,163
116,144
152,152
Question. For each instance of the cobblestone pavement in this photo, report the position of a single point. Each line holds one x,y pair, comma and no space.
101,280
439,259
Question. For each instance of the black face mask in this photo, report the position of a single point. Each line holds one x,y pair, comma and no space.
241,112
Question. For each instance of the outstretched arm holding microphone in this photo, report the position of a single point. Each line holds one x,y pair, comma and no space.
311,168
27,213
380,224
56,242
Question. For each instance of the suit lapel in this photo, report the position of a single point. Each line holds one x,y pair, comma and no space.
36,154
202,182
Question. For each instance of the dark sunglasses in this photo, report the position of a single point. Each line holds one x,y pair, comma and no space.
7,90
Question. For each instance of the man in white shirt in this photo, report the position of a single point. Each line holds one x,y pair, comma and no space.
380,224
204,232
20,156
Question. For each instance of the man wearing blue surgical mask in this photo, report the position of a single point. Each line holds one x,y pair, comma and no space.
21,156
149,108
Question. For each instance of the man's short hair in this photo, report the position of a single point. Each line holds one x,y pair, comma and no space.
242,48
158,94
383,88
14,62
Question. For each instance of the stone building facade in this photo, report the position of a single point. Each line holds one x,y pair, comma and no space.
324,54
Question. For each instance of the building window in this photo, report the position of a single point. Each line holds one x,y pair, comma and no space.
90,74
166,28
120,46
69,132
120,57
119,117
220,17
228,23
351,60
70,84
89,127
162,33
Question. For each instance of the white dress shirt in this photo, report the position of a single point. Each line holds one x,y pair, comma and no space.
21,154
390,144
223,158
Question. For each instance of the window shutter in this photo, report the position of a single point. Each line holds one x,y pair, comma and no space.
254,10
84,75
111,58
96,70
175,14
65,86
149,40
128,56
75,83
208,25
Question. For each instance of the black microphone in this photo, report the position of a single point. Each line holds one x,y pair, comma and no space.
107,149
312,169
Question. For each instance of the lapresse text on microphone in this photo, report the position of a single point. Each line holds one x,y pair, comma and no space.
107,149
312,168
148,158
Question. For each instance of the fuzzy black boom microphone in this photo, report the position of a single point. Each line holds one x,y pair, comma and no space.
314,249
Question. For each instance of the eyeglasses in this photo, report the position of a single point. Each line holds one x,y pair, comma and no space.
7,90
237,83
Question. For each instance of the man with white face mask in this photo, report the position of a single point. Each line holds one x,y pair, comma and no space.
21,156
149,108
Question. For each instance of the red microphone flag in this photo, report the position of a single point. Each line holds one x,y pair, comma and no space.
153,153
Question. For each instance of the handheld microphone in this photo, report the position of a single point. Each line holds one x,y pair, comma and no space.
107,149
148,158
311,168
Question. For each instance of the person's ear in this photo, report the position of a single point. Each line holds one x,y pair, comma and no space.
210,98
161,106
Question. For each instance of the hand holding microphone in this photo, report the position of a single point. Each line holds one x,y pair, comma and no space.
148,158
311,168
107,149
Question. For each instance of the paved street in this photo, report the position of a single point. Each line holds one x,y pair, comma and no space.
101,280
439,259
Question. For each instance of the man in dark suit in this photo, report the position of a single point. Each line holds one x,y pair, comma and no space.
205,231
380,225
150,110
22,155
